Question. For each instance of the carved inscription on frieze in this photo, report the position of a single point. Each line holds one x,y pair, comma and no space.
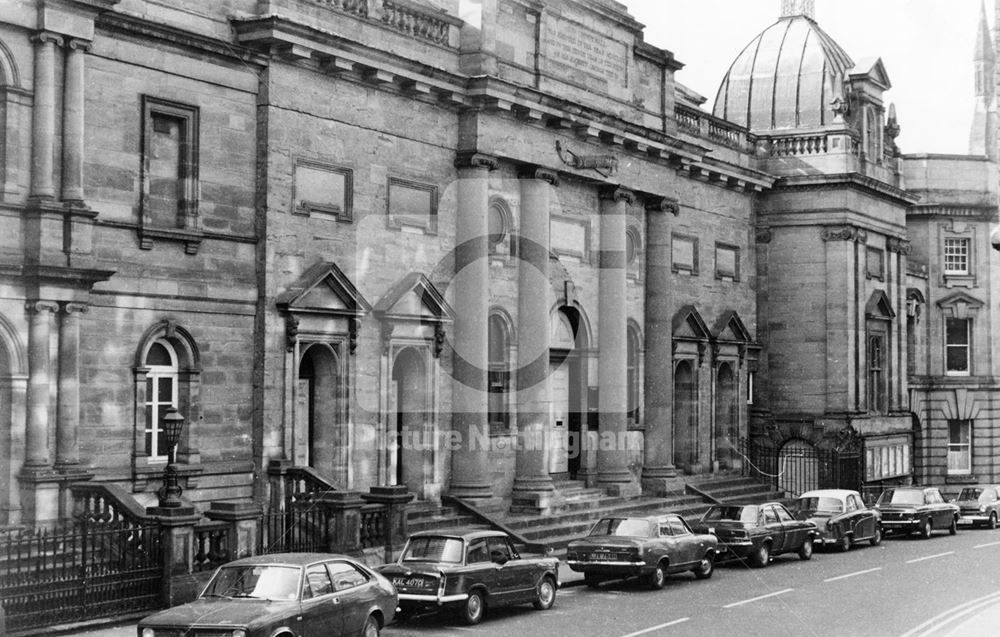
583,55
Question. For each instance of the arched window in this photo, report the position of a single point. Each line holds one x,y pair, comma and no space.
161,394
499,373
632,376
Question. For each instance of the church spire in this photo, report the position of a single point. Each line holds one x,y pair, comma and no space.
792,8
982,138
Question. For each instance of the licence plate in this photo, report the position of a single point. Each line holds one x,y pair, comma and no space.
410,582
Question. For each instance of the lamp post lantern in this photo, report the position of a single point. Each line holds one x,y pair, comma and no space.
170,493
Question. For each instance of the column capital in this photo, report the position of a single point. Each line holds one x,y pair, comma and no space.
76,44
539,173
467,159
75,308
42,37
41,306
663,204
617,194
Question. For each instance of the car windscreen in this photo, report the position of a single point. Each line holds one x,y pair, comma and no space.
733,513
625,527
970,493
259,581
901,496
433,549
827,505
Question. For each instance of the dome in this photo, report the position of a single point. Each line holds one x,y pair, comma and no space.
783,79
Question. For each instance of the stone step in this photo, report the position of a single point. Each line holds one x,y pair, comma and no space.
604,508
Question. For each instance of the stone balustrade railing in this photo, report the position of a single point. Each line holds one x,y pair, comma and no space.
696,122
106,504
798,145
409,18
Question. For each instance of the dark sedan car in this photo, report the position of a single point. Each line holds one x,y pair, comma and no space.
301,594
909,509
979,505
649,547
841,517
470,571
756,532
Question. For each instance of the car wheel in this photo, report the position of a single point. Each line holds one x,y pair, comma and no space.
371,628
877,538
844,543
953,527
992,523
546,594
925,530
592,580
806,550
761,556
705,567
474,608
658,578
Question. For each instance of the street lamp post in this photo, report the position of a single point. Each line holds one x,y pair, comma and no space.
170,493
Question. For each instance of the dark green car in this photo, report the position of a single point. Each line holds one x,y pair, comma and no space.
756,532
916,509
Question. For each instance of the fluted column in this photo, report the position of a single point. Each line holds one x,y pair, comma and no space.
658,372
612,355
37,434
73,109
43,116
532,482
470,474
68,421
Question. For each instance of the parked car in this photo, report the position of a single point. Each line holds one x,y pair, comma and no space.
293,593
649,547
909,509
756,532
469,571
979,505
841,517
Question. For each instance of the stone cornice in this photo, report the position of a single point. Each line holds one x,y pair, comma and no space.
858,181
978,212
131,25
76,278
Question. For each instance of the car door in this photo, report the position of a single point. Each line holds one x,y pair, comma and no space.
773,527
941,515
353,594
516,579
792,529
853,520
320,609
685,542
480,569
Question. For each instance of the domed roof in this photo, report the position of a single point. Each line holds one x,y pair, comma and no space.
784,78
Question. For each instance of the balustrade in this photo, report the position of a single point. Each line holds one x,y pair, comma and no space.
212,541
374,525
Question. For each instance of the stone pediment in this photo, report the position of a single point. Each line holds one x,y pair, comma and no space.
324,289
879,306
689,325
730,329
959,304
415,298
874,70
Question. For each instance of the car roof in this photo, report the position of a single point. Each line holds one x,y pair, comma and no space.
289,559
462,533
829,493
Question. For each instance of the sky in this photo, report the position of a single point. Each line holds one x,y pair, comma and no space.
927,47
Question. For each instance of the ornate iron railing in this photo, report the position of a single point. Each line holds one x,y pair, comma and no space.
796,468
299,530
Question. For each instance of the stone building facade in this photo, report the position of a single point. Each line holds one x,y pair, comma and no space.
481,253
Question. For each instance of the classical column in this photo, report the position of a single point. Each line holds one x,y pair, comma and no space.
43,116
612,355
470,467
37,434
68,420
532,482
658,465
73,107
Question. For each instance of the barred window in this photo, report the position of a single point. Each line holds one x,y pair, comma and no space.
956,256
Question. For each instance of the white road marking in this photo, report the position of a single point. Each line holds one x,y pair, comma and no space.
754,599
982,546
834,579
930,557
932,625
649,630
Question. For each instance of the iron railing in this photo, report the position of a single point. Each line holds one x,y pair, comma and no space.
797,466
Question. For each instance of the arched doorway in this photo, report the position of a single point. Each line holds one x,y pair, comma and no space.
322,419
411,399
798,467
685,416
725,416
567,387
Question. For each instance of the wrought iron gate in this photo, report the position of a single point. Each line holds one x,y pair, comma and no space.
796,466
87,571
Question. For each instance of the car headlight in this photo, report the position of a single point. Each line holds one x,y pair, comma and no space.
239,632
148,632
982,508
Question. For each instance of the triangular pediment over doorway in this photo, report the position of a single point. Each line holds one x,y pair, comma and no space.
324,289
688,324
879,306
730,329
415,298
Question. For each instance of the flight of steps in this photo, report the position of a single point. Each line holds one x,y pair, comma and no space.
579,508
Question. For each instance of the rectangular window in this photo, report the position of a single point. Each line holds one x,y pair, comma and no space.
499,414
412,204
959,446
727,262
956,348
875,263
684,254
322,189
169,164
956,256
876,373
